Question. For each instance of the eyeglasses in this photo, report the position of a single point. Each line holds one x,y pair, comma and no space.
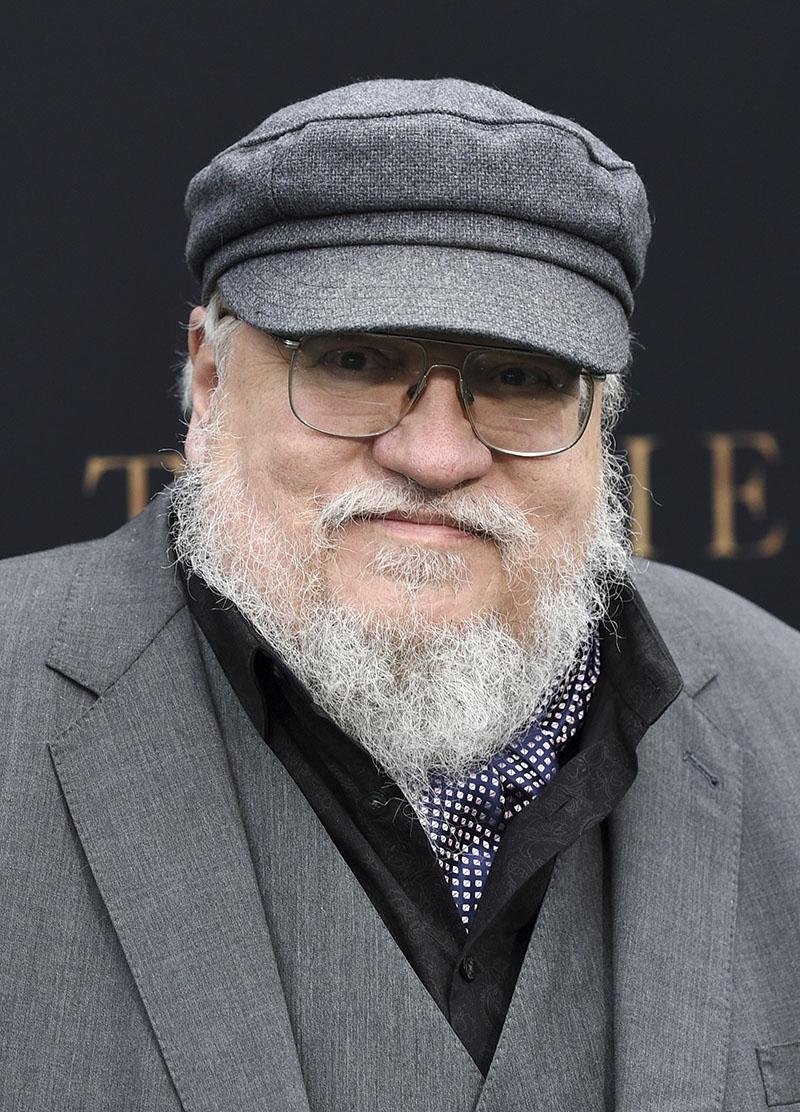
360,385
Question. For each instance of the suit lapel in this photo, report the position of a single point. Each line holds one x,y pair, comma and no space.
674,852
145,777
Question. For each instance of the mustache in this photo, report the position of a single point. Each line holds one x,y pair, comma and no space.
484,514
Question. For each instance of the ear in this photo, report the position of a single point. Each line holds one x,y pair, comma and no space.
204,376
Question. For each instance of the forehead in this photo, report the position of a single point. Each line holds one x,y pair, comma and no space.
445,344
450,345
453,343
454,338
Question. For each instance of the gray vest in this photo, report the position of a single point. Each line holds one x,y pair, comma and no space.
369,1035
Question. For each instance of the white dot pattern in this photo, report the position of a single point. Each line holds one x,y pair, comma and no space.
465,819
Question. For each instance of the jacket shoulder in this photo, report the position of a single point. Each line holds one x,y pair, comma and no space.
86,610
710,629
36,701
33,586
664,586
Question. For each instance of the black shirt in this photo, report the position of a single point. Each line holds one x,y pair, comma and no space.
471,976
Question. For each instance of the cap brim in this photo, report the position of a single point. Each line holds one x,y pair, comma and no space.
508,299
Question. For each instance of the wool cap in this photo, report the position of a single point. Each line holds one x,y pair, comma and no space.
428,206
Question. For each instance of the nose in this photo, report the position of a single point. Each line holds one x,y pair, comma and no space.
434,444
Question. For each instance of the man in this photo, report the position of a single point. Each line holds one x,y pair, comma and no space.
364,769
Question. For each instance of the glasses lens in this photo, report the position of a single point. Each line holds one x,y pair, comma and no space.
526,402
354,384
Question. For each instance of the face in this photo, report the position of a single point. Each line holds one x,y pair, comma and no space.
431,646
291,471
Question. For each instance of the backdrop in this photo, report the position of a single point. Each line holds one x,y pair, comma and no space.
113,108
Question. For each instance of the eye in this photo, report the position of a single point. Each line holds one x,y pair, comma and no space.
520,378
529,377
354,359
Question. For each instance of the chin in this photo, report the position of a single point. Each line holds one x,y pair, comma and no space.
405,584
395,603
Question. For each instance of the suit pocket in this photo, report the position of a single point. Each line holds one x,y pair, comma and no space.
780,1072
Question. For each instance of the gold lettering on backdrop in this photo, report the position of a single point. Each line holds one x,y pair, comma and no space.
137,470
639,449
727,494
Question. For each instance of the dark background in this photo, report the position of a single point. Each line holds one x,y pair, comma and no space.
111,109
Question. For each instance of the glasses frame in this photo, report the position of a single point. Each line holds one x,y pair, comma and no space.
294,344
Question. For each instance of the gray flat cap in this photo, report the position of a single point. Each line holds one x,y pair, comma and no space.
433,206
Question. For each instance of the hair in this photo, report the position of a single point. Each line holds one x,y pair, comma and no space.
220,324
218,328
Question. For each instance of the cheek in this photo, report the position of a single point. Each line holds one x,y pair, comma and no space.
559,493
286,463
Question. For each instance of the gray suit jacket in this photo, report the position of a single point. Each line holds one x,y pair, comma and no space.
139,971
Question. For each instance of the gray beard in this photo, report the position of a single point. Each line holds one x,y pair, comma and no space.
421,697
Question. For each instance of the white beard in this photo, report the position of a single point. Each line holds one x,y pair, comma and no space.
422,697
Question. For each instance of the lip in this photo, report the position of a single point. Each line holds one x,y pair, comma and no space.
422,527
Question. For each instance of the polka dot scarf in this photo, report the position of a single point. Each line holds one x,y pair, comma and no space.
465,819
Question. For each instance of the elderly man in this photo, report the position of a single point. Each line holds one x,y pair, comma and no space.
365,770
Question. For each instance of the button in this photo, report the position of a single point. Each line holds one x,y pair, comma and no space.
376,802
469,969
